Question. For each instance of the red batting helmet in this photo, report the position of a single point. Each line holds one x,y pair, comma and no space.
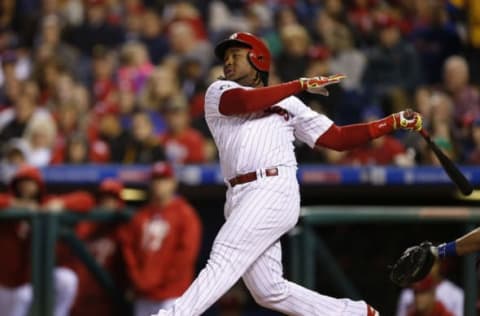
259,55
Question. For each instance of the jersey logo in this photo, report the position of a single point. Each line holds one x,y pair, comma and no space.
154,232
278,110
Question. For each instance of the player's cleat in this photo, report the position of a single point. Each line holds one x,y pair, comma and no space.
371,311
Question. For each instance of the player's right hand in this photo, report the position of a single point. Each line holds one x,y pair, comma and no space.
408,119
317,84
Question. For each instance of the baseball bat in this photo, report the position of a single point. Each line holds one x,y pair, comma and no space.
453,172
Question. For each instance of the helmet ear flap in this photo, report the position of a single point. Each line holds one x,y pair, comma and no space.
255,60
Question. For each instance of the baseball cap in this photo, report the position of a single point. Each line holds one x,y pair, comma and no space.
426,284
111,186
384,21
162,170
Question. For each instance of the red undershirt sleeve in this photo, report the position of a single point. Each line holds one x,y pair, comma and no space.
240,101
349,136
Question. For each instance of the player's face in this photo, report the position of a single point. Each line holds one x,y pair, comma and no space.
163,189
237,68
109,202
27,189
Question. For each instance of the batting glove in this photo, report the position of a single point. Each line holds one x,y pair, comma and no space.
317,85
408,120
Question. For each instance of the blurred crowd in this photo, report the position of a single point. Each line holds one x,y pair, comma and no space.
122,81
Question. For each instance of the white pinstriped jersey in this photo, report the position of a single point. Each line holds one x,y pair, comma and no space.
263,139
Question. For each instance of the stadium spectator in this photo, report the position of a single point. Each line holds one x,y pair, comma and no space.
50,39
320,61
62,94
104,88
135,67
160,244
78,150
162,84
466,97
10,84
293,60
14,154
192,80
153,37
446,292
103,243
14,121
111,132
132,16
46,73
347,59
434,37
40,135
470,9
362,20
143,145
442,123
473,156
392,68
186,11
185,43
95,30
182,143
28,193
258,17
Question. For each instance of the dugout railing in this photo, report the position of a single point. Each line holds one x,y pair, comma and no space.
46,229
307,246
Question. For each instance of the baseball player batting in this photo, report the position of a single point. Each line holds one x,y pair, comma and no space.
254,126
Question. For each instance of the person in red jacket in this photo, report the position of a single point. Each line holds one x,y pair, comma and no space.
101,239
28,192
161,244
183,144
425,303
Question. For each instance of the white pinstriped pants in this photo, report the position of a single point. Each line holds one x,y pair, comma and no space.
258,214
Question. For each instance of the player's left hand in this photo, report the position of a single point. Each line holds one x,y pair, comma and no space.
408,119
414,264
317,85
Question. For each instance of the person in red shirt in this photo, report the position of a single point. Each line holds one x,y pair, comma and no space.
101,239
183,143
425,302
385,150
28,192
161,244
